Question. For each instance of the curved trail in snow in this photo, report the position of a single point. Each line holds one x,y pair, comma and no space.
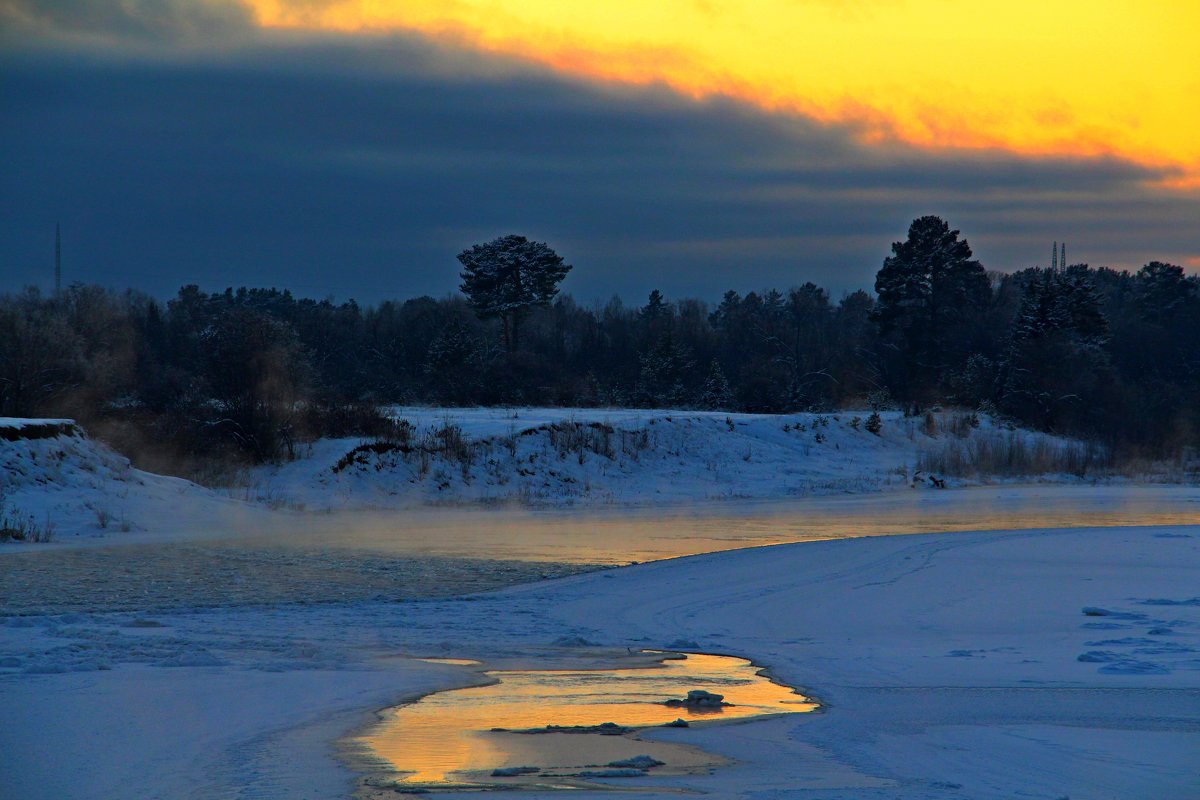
948,663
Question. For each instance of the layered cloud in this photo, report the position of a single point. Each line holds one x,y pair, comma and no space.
197,146
150,21
1072,78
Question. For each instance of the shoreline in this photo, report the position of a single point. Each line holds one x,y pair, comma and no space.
919,647
423,530
677,465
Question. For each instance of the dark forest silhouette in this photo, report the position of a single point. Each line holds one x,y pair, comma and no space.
1102,354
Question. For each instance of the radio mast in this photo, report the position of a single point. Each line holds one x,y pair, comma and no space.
57,259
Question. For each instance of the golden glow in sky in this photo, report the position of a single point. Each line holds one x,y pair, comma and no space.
1053,77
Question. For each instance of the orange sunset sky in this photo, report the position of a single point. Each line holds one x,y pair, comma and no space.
688,145
1116,77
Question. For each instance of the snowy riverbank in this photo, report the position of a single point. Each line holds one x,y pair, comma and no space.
77,488
1039,664
217,646
630,457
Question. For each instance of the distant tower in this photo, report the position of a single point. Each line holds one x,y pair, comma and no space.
1062,260
57,259
1054,256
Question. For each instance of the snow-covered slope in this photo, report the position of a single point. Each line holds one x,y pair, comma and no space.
57,479
53,476
634,457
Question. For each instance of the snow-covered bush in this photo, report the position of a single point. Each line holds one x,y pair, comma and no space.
874,423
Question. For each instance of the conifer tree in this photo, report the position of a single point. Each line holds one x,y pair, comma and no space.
715,394
664,370
453,364
507,278
931,295
655,306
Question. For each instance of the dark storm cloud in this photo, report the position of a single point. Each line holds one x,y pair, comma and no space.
360,167
145,21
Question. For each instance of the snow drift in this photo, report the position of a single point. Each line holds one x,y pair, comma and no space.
636,457
54,475
55,478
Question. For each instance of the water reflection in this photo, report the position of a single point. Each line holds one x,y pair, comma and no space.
448,738
591,536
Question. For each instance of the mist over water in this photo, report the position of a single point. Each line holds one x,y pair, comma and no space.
649,534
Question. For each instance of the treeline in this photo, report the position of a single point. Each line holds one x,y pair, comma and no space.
1099,353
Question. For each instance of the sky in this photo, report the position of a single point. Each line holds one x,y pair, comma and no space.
350,148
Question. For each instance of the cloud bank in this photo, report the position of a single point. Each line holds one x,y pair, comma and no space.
189,145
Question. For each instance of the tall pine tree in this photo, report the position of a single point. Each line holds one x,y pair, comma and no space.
932,293
507,278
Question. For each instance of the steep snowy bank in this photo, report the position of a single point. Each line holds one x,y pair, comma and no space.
621,460
551,457
55,476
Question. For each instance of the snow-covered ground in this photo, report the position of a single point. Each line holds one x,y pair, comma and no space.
1036,664
192,661
56,477
597,457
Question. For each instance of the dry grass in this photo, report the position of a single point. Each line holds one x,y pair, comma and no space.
1007,454
18,527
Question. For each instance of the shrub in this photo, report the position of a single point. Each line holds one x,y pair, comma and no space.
18,527
577,438
929,425
343,420
1012,454
961,425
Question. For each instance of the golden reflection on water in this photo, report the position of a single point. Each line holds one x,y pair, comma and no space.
594,537
445,737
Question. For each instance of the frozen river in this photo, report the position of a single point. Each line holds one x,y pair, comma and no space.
650,534
259,557
230,662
